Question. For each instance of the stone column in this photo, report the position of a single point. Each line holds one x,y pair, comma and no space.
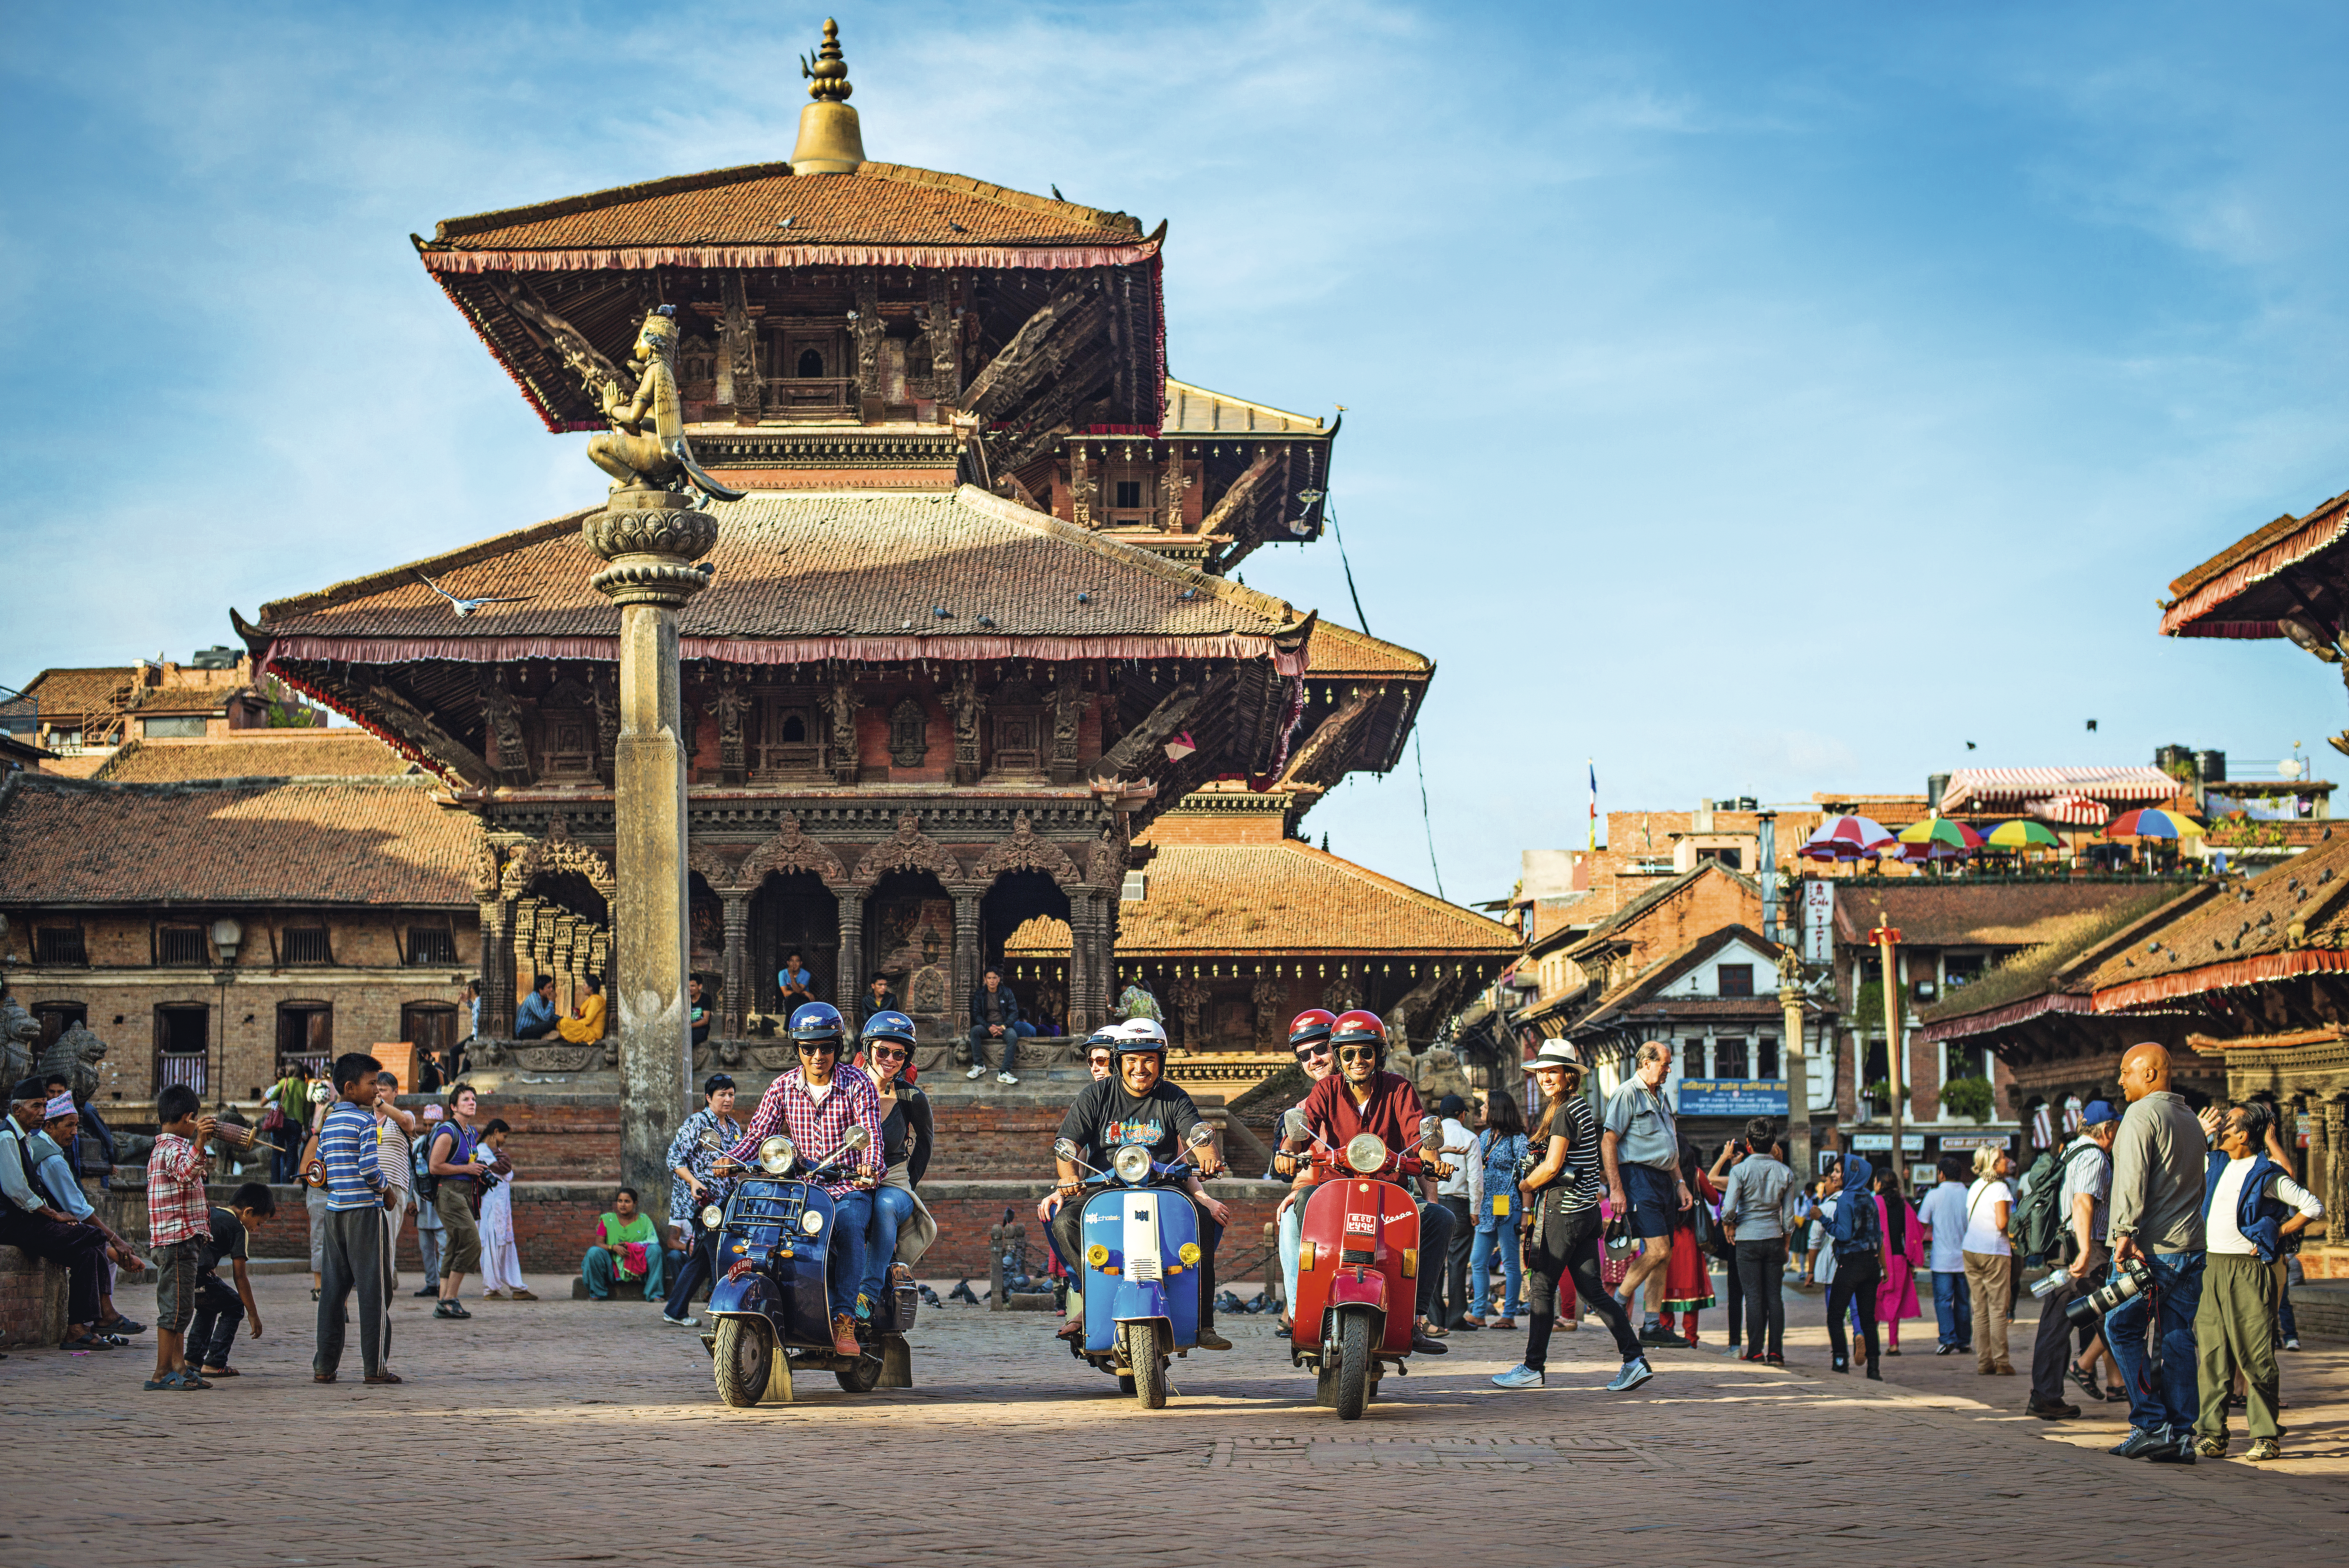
2337,1171
1792,1061
849,983
966,951
648,537
497,971
1081,1021
735,980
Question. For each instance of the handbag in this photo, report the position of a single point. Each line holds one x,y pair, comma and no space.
273,1118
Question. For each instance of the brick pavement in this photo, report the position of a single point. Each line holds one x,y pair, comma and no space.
565,1431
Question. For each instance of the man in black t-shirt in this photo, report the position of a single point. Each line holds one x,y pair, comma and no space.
1135,1105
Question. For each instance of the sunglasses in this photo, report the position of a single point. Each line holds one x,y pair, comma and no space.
819,1048
889,1053
1319,1048
1359,1054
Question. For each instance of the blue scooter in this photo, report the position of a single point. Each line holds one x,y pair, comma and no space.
770,1302
1140,1271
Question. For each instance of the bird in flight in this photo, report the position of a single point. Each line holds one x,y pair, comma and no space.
467,607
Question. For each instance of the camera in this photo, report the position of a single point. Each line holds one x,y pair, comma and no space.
2132,1278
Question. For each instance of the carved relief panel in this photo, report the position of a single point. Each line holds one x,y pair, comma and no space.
567,740
909,734
1016,715
791,739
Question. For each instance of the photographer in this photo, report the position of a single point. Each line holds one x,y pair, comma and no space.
2251,1208
2085,1204
2156,1224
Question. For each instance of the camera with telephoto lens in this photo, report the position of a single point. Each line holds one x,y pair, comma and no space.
2132,1278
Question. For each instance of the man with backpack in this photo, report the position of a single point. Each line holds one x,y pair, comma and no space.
2065,1221
1855,1232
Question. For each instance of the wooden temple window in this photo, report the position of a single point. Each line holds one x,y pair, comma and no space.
303,945
790,744
431,947
1016,715
305,1035
1692,1060
808,382
1733,978
57,1017
181,946
183,1045
1729,1057
567,733
61,946
1131,488
1765,1057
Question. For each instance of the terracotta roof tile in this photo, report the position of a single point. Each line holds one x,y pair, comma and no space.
881,204
76,691
256,754
1933,913
798,566
2251,921
1341,650
1288,897
370,842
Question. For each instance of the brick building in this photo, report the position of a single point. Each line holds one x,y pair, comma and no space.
84,714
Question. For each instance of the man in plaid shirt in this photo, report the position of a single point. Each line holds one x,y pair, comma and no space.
815,1105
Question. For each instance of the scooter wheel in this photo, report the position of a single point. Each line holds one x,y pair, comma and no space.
862,1378
1124,1384
742,1352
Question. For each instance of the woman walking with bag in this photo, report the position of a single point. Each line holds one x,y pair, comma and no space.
1562,1195
1493,1171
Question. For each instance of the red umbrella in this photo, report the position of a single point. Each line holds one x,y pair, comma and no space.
1845,839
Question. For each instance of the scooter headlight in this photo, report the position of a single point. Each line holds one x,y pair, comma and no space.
712,1217
776,1154
810,1221
1133,1164
1365,1152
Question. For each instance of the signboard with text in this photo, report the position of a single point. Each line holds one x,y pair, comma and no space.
1952,1142
1865,1143
1818,921
1733,1097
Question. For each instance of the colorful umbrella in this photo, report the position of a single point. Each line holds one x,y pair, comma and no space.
1939,830
2021,833
2151,821
2071,810
1915,853
1845,839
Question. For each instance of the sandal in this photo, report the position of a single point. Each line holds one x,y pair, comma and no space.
1504,1323
2088,1385
219,1372
89,1339
169,1380
120,1325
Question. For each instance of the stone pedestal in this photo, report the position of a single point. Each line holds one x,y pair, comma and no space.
649,538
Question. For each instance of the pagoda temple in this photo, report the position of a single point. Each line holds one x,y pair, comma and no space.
969,628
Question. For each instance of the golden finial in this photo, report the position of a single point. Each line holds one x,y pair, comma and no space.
830,140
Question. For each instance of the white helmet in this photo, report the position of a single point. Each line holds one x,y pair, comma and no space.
1141,1034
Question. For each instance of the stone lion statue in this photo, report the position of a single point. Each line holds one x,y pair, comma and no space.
18,1030
75,1054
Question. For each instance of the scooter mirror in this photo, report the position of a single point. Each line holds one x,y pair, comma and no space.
1293,1123
1199,1137
857,1138
711,1140
1430,1128
1064,1148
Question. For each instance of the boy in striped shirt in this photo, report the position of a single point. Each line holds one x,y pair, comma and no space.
357,1195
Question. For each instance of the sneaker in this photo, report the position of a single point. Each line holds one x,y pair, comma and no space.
2264,1448
1004,1078
2212,1448
976,1074
1651,1334
1775,1358
523,1295
1635,1372
1946,1350
680,1322
2179,1452
1519,1377
2059,1411
2290,1343
2138,1442
1210,1340
428,1290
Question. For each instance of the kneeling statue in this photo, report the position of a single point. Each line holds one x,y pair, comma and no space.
660,459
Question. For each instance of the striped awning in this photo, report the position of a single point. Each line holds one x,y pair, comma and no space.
2070,810
2001,789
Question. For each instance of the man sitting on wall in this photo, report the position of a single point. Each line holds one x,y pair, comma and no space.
537,1019
995,1020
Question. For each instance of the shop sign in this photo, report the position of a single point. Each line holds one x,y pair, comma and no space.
1953,1142
1818,921
1882,1143
1733,1097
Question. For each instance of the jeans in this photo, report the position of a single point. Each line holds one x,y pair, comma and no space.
852,1217
1760,1276
1496,1240
1855,1280
353,1262
2165,1406
1455,1259
219,1312
1953,1309
81,1249
699,1269
892,1207
979,1039
601,1272
428,1247
1567,1244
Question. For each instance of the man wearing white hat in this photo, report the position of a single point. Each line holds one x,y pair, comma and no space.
32,1222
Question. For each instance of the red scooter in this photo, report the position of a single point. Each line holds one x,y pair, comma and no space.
1357,1265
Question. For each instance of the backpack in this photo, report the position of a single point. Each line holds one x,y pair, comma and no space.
2039,1227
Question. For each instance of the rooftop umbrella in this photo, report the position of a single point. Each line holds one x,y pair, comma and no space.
2020,834
1845,839
2151,821
1939,830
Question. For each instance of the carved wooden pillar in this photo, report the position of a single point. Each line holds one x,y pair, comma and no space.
850,981
734,1002
965,949
1104,953
871,380
566,945
2337,1171
1080,486
1080,1020
497,969
945,342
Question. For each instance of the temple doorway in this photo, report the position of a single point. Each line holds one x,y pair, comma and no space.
1006,913
793,912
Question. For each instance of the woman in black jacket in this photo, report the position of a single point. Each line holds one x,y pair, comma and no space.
906,1141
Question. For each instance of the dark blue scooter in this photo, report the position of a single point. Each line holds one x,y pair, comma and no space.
1140,1271
770,1302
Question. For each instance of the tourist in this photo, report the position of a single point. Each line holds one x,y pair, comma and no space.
700,1139
697,1012
285,1098
1137,1002
537,1017
473,1009
357,1195
1495,1164
1688,1273
1101,1060
995,1020
1989,1259
2251,1208
1856,1237
816,1104
212,1334
449,1158
1812,1232
2160,1186
877,998
1757,1212
1943,1216
796,982
586,1025
501,1258
317,1094
1561,1201
176,1224
32,1222
54,1178
1642,1149
901,1228
1903,1253
429,1231
626,1249
1309,1041
1457,1149
2083,1201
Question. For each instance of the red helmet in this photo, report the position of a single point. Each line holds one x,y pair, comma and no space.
1354,1027
1310,1026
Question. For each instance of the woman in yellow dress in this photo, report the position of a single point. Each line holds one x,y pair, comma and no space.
588,1027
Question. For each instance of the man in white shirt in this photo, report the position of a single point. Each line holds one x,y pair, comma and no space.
2251,1206
1452,1192
1943,1212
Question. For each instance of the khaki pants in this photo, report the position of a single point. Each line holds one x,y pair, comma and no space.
460,1240
1988,1280
2234,1329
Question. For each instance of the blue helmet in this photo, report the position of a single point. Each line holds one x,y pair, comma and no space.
889,1025
818,1021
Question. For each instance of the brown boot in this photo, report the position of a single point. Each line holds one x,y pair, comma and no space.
843,1335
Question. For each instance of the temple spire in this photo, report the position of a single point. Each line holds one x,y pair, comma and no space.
829,141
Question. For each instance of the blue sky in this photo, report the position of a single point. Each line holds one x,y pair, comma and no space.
1757,400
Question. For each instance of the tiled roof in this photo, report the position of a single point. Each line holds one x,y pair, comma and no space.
2052,977
1194,411
2251,920
1936,913
796,571
1341,650
256,754
62,692
1647,985
1287,898
160,699
356,842
880,205
2230,594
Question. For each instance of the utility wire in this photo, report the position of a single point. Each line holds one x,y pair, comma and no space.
1419,759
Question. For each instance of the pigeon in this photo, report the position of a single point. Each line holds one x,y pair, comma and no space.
1084,598
467,607
987,621
1056,194
1188,594
782,222
963,1293
941,612
957,228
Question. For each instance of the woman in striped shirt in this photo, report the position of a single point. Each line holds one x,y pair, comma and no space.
1563,1223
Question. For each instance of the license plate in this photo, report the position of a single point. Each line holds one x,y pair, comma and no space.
1362,1224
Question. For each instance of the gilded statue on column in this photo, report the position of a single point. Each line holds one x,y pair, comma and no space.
659,458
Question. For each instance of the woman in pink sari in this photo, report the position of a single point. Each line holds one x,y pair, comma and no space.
1904,1254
